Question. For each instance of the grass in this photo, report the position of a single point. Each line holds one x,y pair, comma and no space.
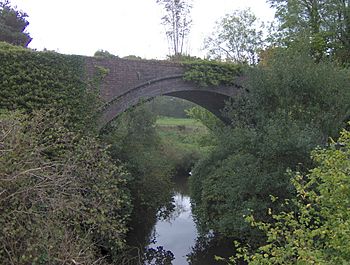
170,121
184,141
185,135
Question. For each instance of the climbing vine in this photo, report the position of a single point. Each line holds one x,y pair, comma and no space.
59,188
212,73
100,74
32,80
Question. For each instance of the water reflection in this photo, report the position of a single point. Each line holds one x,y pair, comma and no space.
207,247
178,232
174,239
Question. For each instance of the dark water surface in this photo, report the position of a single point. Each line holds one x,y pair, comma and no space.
177,235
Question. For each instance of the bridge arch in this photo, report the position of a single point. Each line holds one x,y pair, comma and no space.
210,98
127,82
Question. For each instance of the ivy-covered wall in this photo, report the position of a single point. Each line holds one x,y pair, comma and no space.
62,198
31,80
212,73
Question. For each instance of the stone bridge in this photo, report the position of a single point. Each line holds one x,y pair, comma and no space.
130,81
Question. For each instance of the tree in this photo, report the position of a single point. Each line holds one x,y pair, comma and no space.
325,23
338,21
317,232
177,22
291,106
237,37
13,24
104,54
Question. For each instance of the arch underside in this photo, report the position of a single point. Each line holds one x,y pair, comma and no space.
211,98
213,102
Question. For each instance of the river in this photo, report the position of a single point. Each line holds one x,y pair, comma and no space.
178,234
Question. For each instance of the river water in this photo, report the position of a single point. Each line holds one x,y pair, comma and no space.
178,233
175,239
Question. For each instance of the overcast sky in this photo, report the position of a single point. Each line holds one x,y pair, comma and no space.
122,27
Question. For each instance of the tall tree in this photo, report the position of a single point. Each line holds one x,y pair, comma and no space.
324,23
339,22
237,37
13,24
177,22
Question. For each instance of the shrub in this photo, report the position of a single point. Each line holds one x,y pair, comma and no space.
62,200
317,232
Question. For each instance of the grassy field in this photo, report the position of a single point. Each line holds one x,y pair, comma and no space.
178,123
185,135
185,141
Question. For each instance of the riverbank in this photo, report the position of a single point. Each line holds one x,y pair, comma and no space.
185,141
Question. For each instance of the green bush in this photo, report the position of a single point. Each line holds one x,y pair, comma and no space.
291,106
62,200
317,232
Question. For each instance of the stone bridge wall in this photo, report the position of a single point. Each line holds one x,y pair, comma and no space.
128,81
126,74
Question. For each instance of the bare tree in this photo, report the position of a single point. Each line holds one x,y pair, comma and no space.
177,21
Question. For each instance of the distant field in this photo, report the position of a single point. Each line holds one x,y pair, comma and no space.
187,136
169,121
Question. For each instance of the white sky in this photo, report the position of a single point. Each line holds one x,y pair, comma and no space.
122,27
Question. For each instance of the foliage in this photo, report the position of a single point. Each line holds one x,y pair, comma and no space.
133,140
292,105
170,106
207,118
32,80
13,24
104,54
292,84
317,232
238,37
132,57
177,21
324,24
184,141
62,200
212,73
159,256
182,58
